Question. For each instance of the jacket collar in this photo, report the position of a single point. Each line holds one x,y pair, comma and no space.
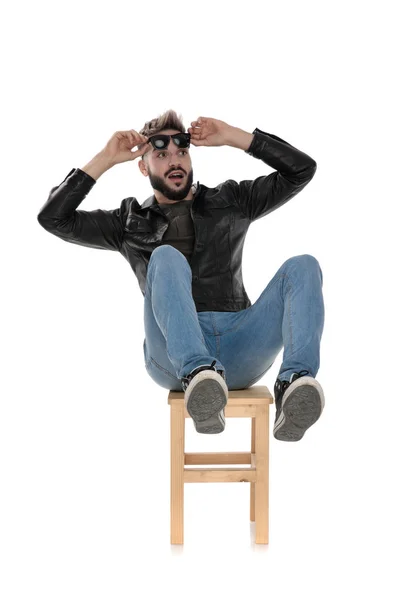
151,201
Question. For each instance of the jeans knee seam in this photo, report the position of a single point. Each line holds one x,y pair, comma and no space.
155,363
290,317
290,310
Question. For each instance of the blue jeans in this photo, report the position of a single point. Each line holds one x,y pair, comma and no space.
289,314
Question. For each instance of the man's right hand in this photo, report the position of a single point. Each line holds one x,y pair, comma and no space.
119,148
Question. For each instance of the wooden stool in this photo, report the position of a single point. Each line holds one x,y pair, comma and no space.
251,402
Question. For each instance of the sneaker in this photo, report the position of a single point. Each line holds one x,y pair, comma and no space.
299,404
206,395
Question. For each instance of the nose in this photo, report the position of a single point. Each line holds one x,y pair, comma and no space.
175,159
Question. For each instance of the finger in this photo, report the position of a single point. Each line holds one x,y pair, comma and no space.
135,154
138,136
128,135
140,152
139,140
144,138
144,149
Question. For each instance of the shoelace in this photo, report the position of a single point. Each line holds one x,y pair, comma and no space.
300,374
283,385
186,380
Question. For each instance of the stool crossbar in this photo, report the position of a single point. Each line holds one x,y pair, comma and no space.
251,402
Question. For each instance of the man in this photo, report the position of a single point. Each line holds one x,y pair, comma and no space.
185,246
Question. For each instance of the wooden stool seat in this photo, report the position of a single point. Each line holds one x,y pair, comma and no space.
252,402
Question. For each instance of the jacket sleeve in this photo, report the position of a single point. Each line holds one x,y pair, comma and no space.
294,169
102,229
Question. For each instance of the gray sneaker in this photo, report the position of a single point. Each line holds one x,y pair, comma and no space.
206,395
299,404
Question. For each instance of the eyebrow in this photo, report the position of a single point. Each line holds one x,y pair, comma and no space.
163,149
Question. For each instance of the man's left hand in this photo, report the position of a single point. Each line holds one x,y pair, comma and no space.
209,132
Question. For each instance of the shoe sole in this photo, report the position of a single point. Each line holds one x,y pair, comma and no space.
205,399
302,405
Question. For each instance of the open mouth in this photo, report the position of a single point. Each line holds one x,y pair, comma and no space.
177,177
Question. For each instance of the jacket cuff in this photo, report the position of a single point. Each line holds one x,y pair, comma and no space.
80,176
66,197
257,142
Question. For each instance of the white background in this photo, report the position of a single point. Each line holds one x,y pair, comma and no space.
84,431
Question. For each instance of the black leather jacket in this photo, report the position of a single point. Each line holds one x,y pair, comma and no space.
221,217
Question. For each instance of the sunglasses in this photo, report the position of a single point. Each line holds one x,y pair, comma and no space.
161,140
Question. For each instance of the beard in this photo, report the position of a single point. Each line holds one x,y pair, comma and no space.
169,189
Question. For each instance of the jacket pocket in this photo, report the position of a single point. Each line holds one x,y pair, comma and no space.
218,202
137,224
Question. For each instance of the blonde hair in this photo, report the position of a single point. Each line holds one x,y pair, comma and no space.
168,120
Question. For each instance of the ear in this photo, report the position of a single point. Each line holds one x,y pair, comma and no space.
143,166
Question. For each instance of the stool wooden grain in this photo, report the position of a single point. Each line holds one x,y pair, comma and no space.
252,402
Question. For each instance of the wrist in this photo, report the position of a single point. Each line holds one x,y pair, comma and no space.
238,138
97,166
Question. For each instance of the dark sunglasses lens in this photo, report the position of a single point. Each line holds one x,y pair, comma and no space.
181,140
160,141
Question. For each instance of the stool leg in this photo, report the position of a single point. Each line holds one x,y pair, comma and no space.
177,467
262,469
253,485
